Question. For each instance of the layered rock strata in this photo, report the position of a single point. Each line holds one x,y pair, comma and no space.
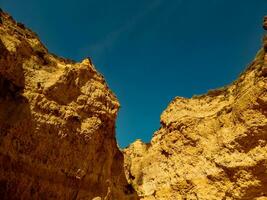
209,147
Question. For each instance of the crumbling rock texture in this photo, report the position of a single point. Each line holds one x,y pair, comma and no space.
209,147
56,124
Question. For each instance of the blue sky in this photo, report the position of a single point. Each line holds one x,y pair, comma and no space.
149,50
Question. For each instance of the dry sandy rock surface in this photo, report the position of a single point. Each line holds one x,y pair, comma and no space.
57,124
57,133
209,147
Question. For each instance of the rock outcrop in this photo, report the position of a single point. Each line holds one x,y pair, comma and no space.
209,147
57,131
265,23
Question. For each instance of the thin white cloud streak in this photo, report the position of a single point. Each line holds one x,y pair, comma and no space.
107,42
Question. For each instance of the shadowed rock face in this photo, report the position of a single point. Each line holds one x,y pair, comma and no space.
56,124
57,133
209,147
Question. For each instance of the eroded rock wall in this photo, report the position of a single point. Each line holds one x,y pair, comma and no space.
210,147
57,124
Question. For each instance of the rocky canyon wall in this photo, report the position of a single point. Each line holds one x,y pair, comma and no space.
57,124
57,133
209,147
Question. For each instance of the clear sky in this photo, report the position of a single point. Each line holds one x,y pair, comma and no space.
149,51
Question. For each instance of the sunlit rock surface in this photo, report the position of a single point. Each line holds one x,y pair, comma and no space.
57,124
209,147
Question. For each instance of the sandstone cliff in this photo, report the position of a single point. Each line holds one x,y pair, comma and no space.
210,147
56,124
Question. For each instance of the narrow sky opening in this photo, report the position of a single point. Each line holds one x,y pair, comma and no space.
149,51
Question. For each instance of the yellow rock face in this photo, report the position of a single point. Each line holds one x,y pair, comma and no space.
56,124
209,147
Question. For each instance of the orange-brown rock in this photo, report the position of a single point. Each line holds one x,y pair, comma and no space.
265,23
209,147
56,124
